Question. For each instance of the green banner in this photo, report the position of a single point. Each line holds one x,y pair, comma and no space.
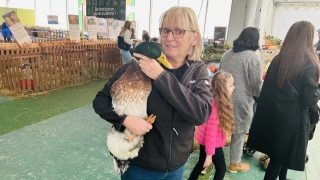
131,2
130,6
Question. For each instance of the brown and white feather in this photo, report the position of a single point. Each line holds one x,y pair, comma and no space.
129,97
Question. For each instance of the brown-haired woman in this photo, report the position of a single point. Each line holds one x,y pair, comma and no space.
212,134
133,37
126,33
280,127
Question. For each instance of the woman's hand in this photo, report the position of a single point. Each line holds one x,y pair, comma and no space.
136,125
208,161
149,66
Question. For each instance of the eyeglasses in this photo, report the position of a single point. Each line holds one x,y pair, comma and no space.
177,33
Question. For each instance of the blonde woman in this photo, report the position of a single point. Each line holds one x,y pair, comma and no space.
180,98
126,33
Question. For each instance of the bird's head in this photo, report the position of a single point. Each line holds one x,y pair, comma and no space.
153,50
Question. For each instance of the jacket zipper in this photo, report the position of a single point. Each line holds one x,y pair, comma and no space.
170,150
171,134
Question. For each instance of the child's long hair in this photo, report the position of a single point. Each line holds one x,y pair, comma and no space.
223,101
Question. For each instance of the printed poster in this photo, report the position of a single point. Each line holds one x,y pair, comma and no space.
114,27
74,28
52,19
102,27
19,32
92,27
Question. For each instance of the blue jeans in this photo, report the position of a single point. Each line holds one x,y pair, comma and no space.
137,173
126,56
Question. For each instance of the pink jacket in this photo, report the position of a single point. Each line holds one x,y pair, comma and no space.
209,134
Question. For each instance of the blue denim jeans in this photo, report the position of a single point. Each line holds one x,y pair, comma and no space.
137,173
126,56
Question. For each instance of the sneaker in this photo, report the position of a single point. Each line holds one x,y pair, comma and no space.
204,171
240,167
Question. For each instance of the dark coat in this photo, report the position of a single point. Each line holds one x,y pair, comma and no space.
281,124
318,47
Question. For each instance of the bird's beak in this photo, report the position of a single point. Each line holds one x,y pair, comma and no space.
163,60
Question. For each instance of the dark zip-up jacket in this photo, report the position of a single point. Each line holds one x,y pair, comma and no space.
179,106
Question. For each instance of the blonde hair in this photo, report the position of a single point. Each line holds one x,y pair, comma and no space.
223,101
184,17
125,27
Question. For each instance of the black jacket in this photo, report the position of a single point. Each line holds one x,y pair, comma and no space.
318,47
179,106
281,124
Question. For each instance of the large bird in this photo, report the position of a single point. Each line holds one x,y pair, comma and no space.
129,97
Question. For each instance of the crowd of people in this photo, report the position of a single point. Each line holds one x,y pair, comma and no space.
221,105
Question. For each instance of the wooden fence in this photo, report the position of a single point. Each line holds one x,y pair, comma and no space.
53,65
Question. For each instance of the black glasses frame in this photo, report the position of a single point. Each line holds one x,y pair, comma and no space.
172,31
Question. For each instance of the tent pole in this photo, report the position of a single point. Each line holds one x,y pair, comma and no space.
205,19
67,15
150,15
35,11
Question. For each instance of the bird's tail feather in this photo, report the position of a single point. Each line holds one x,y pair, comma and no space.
116,168
120,166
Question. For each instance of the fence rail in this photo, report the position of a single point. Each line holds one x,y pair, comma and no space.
47,66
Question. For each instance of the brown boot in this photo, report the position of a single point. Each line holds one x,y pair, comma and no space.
246,138
240,167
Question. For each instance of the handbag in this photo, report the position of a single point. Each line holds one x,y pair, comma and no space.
312,130
314,114
123,45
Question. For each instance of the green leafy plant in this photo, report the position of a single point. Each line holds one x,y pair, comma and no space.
213,53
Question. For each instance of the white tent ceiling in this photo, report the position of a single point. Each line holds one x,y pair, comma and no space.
293,11
297,1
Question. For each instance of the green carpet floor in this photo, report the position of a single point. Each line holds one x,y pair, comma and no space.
15,114
58,136
73,146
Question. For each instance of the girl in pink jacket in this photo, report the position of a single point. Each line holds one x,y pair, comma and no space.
212,134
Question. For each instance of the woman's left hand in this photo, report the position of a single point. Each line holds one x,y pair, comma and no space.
149,66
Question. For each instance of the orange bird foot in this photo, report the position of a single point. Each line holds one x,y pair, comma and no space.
149,120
